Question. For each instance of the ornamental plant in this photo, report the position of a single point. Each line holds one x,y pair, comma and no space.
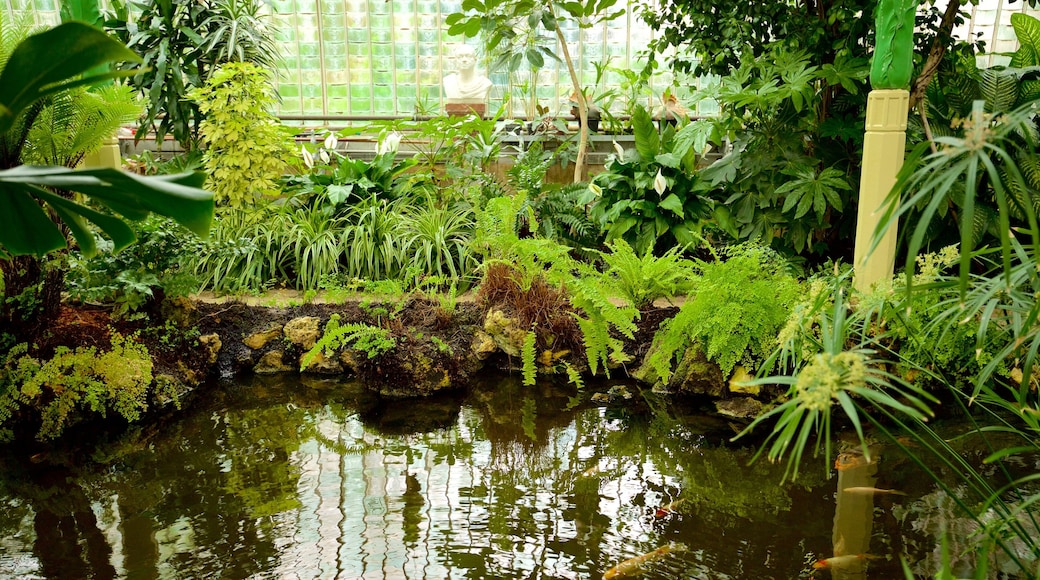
245,147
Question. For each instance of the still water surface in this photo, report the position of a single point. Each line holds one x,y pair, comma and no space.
291,478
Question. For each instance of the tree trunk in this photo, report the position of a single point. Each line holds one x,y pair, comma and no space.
583,111
935,54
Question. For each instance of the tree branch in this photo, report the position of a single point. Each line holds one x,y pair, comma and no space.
936,53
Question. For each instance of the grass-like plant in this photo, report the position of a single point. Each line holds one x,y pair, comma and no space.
436,240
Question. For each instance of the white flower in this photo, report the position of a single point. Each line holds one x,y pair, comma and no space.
331,142
308,160
389,143
324,154
660,184
619,150
595,189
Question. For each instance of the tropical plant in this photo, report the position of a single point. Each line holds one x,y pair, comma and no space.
40,66
651,195
75,123
640,280
83,379
169,35
237,31
512,27
246,150
156,266
790,173
738,309
436,241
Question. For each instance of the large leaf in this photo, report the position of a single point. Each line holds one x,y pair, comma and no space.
52,61
25,227
648,142
1027,29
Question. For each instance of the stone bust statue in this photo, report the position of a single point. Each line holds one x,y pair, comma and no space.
466,83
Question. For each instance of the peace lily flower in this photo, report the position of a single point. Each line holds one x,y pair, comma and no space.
619,150
331,142
324,154
308,159
660,184
389,143
595,189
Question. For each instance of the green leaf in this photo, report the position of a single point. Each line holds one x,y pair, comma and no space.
646,136
26,229
673,204
535,58
1027,29
474,5
50,61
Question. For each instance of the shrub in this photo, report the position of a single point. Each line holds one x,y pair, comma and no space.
245,147
75,380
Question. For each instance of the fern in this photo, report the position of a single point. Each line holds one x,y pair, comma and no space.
642,280
573,376
591,295
76,122
372,340
527,356
740,306
76,380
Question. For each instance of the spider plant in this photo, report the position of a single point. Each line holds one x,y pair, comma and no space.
436,240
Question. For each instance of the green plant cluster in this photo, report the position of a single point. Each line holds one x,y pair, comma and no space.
246,148
75,381
129,279
371,340
738,309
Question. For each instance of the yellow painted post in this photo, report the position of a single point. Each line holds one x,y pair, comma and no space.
885,139
106,156
883,147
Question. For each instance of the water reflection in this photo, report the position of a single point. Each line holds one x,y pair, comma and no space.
320,479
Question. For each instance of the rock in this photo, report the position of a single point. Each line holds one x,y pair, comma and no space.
741,375
212,344
549,357
698,375
271,363
743,408
483,345
180,310
348,358
504,331
259,340
323,365
615,394
303,331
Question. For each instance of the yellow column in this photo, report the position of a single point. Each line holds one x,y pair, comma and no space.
883,147
106,156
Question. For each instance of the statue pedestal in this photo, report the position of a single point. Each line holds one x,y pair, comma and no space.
463,107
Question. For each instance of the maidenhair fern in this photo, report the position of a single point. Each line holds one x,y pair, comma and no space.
369,339
740,306
76,380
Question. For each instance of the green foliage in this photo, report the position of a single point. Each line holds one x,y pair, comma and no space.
527,357
790,174
651,196
436,241
129,278
43,65
169,35
75,123
853,379
77,381
739,307
237,31
642,280
245,146
371,340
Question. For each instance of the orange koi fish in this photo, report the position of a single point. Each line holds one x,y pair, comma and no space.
594,470
668,509
850,461
839,562
634,566
872,491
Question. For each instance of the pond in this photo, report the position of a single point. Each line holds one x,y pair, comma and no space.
309,478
